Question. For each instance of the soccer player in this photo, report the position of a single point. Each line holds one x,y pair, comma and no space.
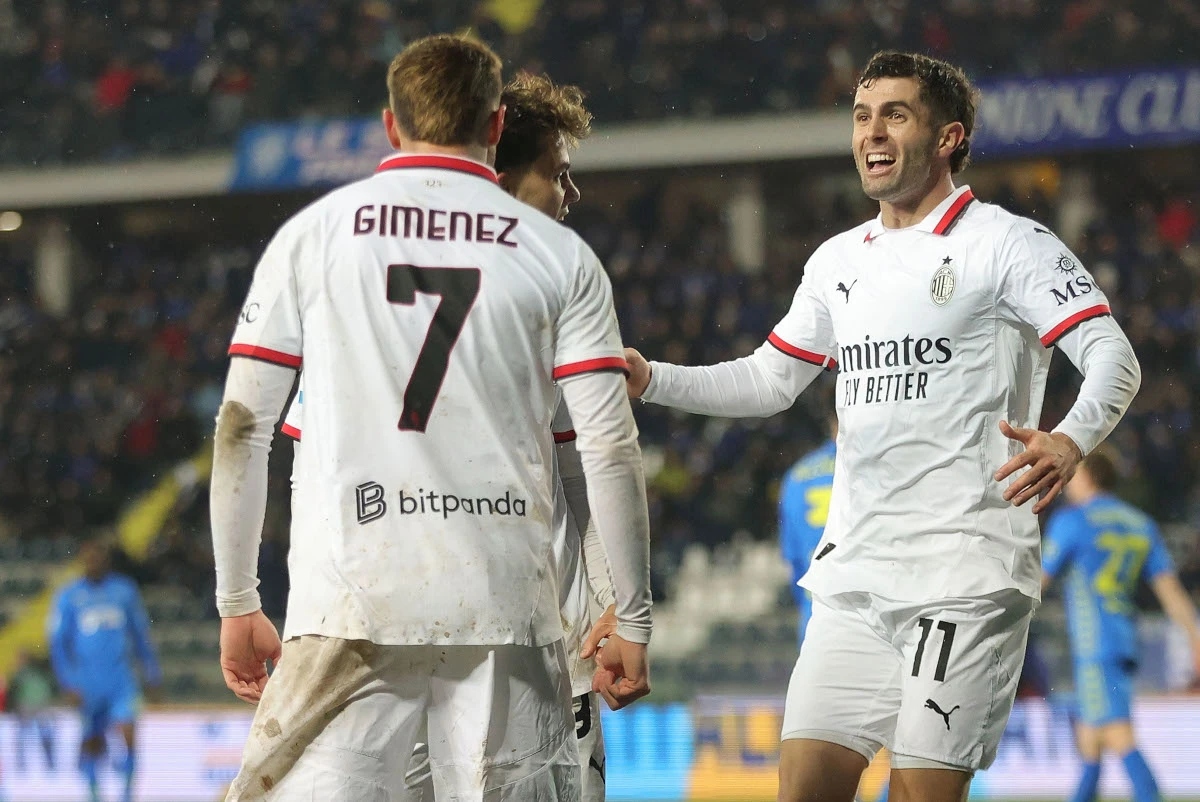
432,313
803,511
97,628
1106,546
939,315
542,124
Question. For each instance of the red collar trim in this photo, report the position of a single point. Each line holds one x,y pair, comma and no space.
455,163
954,213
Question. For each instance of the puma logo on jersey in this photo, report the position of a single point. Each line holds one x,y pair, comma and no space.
843,288
932,705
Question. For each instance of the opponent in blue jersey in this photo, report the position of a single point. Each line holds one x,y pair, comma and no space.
803,510
1106,546
97,626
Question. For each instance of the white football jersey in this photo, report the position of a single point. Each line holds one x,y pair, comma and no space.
938,332
431,312
579,608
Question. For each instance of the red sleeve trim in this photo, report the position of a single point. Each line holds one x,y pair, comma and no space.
1073,321
564,437
291,431
588,365
265,354
811,357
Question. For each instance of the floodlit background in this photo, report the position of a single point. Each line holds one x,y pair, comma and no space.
148,149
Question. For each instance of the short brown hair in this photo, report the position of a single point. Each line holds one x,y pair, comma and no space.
945,90
444,88
1102,468
536,111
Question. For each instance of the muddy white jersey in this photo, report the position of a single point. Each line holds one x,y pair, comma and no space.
431,313
579,609
938,332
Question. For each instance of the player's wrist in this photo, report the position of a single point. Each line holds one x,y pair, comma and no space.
634,633
239,605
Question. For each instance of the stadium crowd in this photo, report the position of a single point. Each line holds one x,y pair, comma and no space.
108,79
96,405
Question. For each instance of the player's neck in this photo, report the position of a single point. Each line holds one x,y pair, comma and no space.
910,211
477,153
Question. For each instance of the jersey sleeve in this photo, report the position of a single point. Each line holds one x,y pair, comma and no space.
60,629
1042,284
268,326
1060,541
806,331
1158,561
587,337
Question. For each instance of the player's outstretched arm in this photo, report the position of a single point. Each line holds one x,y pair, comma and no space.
255,393
1111,378
1179,608
760,385
616,485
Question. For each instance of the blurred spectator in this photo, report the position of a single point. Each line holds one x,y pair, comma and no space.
151,73
30,692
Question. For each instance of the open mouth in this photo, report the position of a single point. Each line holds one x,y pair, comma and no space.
878,163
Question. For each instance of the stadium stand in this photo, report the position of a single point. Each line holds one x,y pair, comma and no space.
150,77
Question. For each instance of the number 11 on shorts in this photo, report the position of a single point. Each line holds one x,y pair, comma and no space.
947,629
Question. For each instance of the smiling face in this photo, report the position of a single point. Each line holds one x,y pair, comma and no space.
895,142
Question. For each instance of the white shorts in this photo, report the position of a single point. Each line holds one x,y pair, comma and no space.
418,781
934,682
339,720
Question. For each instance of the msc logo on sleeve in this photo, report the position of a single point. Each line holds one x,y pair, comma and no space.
249,313
1079,285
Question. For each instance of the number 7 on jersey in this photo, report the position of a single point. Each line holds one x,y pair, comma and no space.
458,287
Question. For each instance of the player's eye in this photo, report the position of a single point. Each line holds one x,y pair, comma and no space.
897,116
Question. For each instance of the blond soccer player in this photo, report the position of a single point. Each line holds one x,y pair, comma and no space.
435,317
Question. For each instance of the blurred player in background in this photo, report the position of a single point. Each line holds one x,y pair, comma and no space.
1106,547
543,123
803,511
939,315
433,314
98,630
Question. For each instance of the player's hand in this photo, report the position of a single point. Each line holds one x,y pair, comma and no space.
623,672
639,373
247,643
72,698
605,627
1051,460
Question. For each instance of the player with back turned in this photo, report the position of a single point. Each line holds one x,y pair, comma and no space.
1104,547
939,315
434,316
542,124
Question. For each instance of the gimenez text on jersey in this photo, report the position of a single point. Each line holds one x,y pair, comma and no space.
874,359
439,225
372,503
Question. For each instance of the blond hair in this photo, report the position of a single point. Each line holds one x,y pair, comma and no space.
443,89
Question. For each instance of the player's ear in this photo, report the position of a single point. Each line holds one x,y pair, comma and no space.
393,130
495,126
951,137
507,181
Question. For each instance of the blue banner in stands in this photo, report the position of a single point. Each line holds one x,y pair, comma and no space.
308,154
1139,109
